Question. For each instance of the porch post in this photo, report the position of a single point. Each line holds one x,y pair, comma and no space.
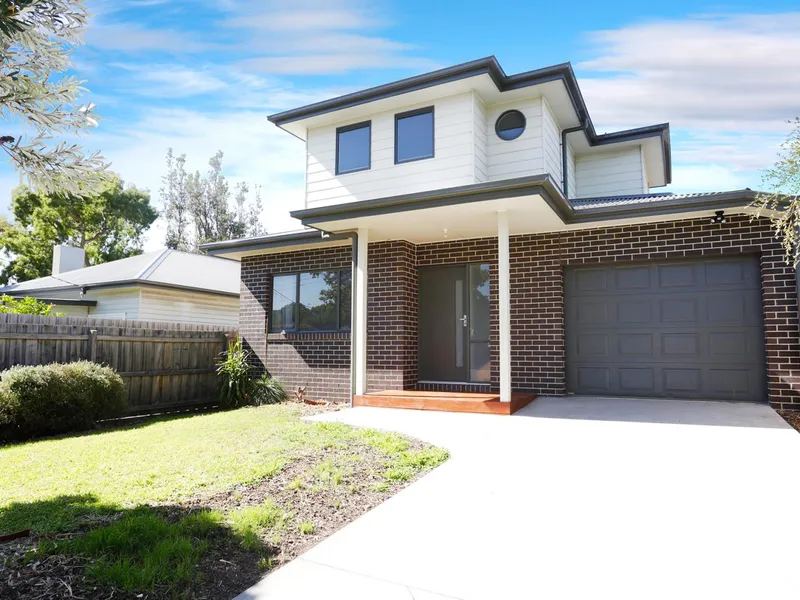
504,288
361,313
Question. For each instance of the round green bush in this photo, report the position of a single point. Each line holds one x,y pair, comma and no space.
58,398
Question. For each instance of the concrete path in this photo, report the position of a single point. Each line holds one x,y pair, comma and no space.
574,498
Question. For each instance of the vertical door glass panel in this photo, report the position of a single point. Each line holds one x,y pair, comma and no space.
460,314
284,297
479,359
318,309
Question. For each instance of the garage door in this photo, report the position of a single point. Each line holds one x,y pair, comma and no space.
672,329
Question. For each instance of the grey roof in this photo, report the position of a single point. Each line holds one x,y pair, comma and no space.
164,268
634,199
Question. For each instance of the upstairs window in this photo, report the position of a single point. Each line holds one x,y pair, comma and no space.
353,148
413,135
510,125
312,301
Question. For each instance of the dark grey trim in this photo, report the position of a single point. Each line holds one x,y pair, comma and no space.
354,251
500,118
354,127
414,113
565,157
489,66
540,185
297,238
59,301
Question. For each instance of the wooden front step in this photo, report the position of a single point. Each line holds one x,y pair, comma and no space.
444,401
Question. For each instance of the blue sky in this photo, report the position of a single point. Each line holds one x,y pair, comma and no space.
202,75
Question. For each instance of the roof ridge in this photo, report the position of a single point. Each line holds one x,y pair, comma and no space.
145,273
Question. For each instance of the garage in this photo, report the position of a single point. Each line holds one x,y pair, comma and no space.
688,329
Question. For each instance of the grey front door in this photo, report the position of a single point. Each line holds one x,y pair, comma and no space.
674,329
454,323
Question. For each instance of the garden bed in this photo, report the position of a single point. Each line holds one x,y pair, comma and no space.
294,483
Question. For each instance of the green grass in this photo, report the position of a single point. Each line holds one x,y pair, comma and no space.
61,484
107,486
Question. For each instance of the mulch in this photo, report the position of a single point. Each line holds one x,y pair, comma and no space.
226,569
792,417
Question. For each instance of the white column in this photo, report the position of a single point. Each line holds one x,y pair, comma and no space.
504,288
361,313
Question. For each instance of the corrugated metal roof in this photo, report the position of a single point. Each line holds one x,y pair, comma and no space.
585,203
168,267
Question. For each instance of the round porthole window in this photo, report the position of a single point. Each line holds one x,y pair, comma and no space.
510,125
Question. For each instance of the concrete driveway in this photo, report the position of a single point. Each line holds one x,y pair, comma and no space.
574,498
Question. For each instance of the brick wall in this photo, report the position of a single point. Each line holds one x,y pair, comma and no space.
320,361
537,303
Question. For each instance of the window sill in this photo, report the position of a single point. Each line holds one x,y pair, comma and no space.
307,335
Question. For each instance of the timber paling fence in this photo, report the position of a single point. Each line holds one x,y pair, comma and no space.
165,366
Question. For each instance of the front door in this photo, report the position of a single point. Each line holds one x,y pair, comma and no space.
454,323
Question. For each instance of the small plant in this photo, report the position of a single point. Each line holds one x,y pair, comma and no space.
26,306
295,484
380,487
267,390
234,371
337,504
249,522
307,528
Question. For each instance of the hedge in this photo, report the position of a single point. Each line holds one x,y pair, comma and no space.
57,398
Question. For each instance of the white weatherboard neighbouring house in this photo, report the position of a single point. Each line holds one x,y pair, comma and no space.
165,285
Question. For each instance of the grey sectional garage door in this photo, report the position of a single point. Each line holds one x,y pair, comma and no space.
679,329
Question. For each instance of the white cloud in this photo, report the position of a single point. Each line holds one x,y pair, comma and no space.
713,73
726,84
131,37
333,63
169,81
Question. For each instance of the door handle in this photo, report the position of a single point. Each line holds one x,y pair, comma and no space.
463,320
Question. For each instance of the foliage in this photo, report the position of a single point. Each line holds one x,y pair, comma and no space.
142,550
56,398
108,225
781,201
26,306
249,522
199,208
38,101
266,390
234,371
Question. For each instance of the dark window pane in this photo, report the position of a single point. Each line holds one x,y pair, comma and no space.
510,125
415,137
318,299
352,149
480,367
284,300
344,299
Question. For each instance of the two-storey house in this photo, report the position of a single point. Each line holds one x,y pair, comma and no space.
470,231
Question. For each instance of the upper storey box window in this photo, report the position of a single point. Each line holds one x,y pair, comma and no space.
353,148
413,135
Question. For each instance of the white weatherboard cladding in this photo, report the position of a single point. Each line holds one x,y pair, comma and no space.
571,190
612,173
479,127
520,157
452,165
189,307
551,143
114,304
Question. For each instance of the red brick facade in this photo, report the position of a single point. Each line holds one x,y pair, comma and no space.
537,303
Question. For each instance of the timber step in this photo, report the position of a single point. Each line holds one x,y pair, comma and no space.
445,401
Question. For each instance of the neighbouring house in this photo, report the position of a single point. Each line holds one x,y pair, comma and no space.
166,285
468,231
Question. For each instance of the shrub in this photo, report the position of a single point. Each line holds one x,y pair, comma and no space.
234,371
57,398
266,390
26,306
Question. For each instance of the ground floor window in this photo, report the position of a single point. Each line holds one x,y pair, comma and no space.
311,301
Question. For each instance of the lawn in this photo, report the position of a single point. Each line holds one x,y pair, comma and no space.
162,508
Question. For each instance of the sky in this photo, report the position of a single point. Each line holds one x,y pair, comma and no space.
199,76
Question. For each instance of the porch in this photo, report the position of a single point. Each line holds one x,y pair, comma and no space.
445,401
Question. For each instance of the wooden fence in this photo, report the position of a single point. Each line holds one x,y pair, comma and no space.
164,365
